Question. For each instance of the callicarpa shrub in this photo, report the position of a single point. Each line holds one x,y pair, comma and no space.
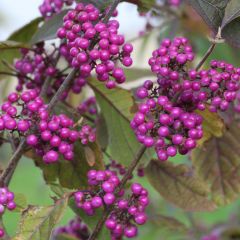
134,137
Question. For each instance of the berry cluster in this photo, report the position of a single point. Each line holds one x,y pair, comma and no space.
17,114
37,65
211,236
103,184
51,7
126,212
89,106
55,135
6,201
174,3
75,228
167,128
82,27
50,135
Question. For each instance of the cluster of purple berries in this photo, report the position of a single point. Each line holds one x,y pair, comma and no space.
89,106
6,201
51,7
75,228
172,56
211,236
55,135
174,3
167,128
103,185
87,134
37,65
83,26
18,113
128,212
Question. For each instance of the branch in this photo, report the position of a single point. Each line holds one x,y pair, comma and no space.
125,178
205,57
7,174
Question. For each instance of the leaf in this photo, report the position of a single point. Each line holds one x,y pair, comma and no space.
102,132
230,23
117,108
25,33
91,221
20,201
144,5
212,11
37,222
213,125
133,74
217,162
49,29
65,236
178,185
100,4
12,45
71,174
22,35
169,223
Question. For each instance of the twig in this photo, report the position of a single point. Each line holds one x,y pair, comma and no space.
7,174
205,57
125,178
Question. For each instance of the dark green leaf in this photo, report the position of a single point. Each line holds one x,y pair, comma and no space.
102,132
25,33
71,174
218,163
178,185
37,222
117,106
212,11
49,29
143,5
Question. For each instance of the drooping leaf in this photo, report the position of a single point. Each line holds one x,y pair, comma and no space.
212,11
23,36
117,106
71,174
213,125
178,185
91,221
20,201
25,33
102,132
230,23
49,29
9,44
169,224
218,163
37,222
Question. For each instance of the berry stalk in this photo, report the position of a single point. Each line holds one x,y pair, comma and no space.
124,180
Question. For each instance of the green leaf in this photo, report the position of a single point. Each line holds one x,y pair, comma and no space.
65,237
217,162
100,4
102,132
178,185
37,222
71,174
143,5
231,22
133,74
20,201
169,224
91,221
12,45
49,29
213,125
25,33
118,107
22,35
212,11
